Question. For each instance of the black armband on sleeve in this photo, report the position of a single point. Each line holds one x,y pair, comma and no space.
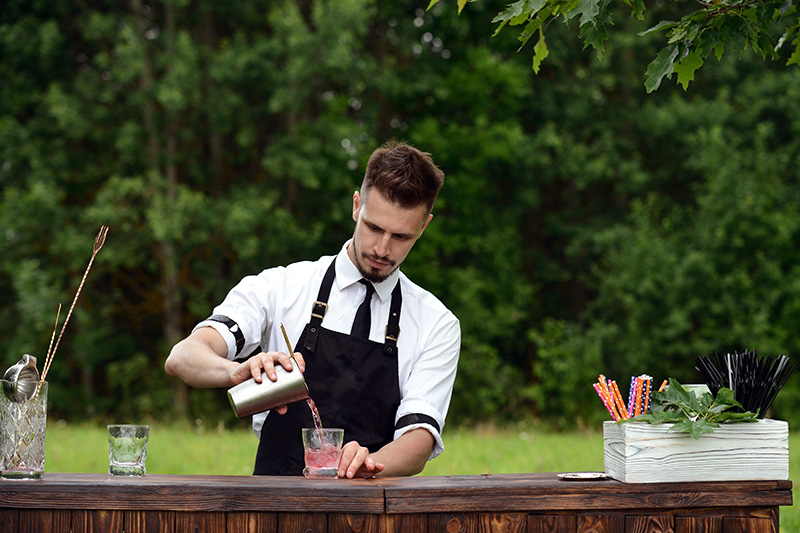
417,418
233,327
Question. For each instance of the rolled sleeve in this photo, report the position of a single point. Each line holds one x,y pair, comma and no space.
223,330
420,407
429,385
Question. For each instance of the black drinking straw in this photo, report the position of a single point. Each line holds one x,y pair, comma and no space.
755,381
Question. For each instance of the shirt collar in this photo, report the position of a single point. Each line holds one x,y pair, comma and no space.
347,274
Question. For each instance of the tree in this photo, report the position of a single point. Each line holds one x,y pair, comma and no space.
218,139
693,34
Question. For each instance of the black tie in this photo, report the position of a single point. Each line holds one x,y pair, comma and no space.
362,320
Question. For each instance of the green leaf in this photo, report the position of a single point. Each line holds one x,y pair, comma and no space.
687,67
663,25
513,10
719,50
658,417
675,394
726,395
661,66
540,52
533,25
461,4
695,428
587,9
595,36
689,414
794,59
730,416
638,9
510,13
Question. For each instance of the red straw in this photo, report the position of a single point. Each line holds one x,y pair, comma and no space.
605,402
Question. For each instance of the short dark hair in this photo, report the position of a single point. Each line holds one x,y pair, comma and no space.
403,175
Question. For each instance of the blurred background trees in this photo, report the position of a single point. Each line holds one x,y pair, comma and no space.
585,226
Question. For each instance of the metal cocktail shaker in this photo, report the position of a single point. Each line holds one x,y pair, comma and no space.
250,397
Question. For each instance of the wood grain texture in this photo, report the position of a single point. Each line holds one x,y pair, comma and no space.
149,521
402,523
478,523
97,521
354,523
545,492
509,503
305,522
252,523
197,522
552,523
601,523
645,453
45,521
698,524
195,493
650,524
748,525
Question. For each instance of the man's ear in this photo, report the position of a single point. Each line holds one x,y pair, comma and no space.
425,225
356,205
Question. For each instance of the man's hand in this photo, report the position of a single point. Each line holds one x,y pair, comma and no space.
356,461
265,362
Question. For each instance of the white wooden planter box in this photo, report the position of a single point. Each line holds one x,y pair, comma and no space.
638,452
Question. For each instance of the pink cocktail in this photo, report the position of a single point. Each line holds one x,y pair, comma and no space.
322,450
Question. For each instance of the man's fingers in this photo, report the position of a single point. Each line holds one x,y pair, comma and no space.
300,361
262,362
353,456
265,362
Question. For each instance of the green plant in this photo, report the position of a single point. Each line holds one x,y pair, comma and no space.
692,414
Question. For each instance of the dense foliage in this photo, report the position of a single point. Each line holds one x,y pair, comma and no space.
584,227
694,32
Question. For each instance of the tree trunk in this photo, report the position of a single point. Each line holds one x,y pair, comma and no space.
166,254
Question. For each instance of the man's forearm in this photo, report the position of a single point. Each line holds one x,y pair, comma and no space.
196,360
407,455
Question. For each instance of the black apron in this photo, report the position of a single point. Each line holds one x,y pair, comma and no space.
352,381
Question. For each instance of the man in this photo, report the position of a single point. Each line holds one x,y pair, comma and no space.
389,385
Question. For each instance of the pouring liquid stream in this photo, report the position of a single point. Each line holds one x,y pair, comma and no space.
314,413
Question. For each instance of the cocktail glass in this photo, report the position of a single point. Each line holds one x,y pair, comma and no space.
127,449
323,448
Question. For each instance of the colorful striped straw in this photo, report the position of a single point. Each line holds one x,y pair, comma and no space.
605,401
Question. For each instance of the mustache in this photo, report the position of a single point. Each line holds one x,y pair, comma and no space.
376,257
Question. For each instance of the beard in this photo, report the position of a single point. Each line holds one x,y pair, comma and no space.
368,272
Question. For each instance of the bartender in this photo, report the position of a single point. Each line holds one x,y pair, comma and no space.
378,352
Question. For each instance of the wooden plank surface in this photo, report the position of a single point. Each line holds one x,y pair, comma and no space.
193,493
100,500
545,492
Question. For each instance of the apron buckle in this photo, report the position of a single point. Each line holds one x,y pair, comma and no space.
319,309
391,337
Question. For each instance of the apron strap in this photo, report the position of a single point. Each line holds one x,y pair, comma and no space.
393,327
320,307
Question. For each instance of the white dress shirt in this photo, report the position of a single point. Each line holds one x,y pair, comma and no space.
428,345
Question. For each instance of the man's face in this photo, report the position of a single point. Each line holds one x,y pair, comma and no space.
384,234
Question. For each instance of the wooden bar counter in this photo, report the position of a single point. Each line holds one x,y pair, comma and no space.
531,503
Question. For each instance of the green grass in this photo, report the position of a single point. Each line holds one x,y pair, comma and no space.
180,449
